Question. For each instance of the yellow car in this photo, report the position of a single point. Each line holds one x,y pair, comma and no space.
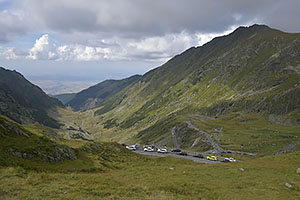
213,158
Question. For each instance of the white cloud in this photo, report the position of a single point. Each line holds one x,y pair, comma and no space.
160,49
43,49
150,49
206,37
167,43
46,49
86,53
11,53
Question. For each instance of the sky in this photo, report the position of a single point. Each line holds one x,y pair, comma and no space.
67,45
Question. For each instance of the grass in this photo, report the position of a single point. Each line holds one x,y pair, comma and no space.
151,178
254,131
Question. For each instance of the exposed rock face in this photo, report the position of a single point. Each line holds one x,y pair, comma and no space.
93,147
294,146
10,128
21,155
59,154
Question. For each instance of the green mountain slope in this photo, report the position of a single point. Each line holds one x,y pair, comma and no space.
19,145
252,71
95,95
24,102
64,98
39,148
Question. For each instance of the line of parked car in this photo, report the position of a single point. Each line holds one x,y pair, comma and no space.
152,148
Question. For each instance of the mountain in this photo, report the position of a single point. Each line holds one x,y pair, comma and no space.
64,98
94,96
24,102
251,74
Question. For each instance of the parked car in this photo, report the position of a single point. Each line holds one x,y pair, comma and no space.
182,153
131,147
229,160
162,150
239,153
213,158
176,150
199,155
232,160
149,149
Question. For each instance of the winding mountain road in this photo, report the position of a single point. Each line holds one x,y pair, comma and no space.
209,139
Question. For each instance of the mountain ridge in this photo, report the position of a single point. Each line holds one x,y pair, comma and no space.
25,102
94,96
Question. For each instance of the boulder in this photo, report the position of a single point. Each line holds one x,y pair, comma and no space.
288,185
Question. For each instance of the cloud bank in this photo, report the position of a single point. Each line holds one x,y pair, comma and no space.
148,49
12,25
152,31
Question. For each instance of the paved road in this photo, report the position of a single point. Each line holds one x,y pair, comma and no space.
200,160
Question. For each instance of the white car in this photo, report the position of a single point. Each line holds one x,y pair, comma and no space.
132,147
162,150
229,160
149,149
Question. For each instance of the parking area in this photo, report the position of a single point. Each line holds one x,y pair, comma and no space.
189,156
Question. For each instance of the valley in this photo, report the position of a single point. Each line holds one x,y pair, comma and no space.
236,96
253,132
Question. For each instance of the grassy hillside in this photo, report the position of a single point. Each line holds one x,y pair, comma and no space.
161,178
96,95
38,148
24,102
65,98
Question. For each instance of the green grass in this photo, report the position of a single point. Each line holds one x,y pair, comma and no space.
151,178
254,131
